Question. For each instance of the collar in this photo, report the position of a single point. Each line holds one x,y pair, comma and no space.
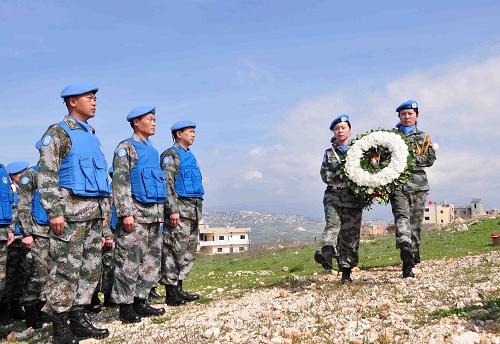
137,138
74,123
179,146
406,130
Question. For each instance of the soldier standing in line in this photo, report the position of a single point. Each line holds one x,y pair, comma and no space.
74,190
34,221
16,252
108,260
6,238
7,222
138,195
408,200
183,211
343,208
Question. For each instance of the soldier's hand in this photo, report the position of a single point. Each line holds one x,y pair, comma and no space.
128,223
27,242
10,238
104,222
103,241
109,243
174,220
57,224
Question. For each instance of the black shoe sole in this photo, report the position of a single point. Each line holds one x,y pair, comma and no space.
128,321
318,258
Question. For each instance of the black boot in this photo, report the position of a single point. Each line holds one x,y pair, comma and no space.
81,325
32,316
108,302
325,257
128,315
95,304
5,318
346,276
407,270
172,296
16,311
185,295
61,333
143,309
153,294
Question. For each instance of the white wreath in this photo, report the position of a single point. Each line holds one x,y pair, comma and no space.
399,155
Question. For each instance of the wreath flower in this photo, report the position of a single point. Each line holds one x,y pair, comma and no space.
377,163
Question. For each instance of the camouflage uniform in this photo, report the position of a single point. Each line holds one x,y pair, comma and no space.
343,211
137,254
180,243
75,255
408,202
37,258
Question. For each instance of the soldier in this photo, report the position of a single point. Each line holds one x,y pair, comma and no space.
74,190
138,194
182,213
34,221
343,208
408,201
108,260
6,236
16,252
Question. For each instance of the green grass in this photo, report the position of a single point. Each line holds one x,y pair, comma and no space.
212,272
491,311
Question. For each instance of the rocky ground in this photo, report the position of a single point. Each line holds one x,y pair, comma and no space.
378,307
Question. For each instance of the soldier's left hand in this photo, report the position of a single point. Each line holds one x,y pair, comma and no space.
10,238
104,222
27,242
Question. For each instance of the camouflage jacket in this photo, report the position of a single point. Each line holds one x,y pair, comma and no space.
337,191
186,207
425,155
27,190
125,204
58,201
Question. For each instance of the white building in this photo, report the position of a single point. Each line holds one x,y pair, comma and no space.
440,213
216,240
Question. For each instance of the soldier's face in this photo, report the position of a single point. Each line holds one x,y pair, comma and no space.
408,117
84,105
186,136
342,131
146,124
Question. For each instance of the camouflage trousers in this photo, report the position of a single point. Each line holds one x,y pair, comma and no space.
108,270
408,211
332,226
37,274
137,259
16,272
74,266
3,266
179,251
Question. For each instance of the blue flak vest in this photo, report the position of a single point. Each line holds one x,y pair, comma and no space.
84,170
6,197
37,211
114,218
189,180
146,177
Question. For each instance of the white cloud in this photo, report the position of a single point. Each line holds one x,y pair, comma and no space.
253,175
459,107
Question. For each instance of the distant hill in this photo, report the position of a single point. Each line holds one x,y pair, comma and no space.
268,228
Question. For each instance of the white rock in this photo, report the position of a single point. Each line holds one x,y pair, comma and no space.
466,338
